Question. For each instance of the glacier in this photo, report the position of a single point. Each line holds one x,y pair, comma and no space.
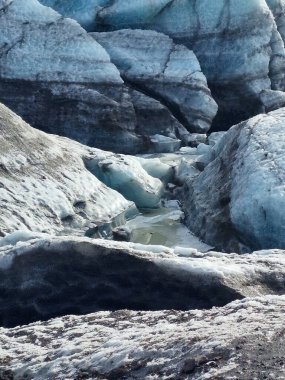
238,44
80,93
208,344
142,189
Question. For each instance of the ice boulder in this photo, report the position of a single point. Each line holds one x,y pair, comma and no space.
170,73
126,175
237,203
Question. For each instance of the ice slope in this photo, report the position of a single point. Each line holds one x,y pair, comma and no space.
49,184
238,201
35,46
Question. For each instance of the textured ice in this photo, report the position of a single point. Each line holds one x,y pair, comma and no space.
198,345
278,10
188,162
237,43
239,199
20,236
35,47
79,92
156,168
171,73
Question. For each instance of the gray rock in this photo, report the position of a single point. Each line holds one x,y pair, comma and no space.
244,340
237,202
168,72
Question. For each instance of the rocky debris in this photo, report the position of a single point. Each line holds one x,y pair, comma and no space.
243,340
237,202
54,276
170,73
50,184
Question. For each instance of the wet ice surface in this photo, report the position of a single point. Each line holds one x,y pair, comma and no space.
163,226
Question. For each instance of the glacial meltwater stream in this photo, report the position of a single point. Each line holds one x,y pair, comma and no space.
163,226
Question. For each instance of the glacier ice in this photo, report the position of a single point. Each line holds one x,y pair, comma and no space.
35,47
46,187
237,203
278,10
80,92
83,11
171,73
238,44
126,175
61,80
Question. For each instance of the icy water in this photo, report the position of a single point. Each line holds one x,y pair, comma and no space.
163,226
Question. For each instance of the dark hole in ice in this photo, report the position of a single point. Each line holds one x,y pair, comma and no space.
235,106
